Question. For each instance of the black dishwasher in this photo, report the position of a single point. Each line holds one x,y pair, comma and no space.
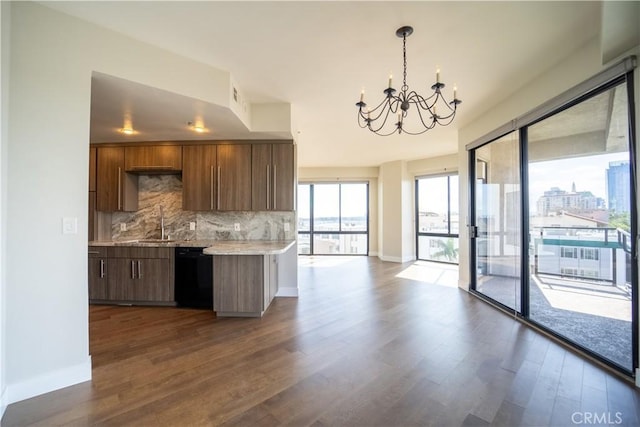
194,278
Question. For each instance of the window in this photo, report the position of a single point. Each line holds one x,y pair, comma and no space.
333,218
568,252
589,253
437,218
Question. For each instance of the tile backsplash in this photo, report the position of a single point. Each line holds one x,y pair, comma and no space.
166,191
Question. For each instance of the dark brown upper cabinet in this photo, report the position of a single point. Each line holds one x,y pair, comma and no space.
149,159
116,190
216,177
273,180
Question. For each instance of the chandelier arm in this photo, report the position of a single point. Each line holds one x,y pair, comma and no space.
366,115
419,101
447,120
433,120
391,132
386,112
415,133
386,107
425,102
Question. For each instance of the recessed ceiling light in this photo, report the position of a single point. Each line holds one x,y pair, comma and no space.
197,126
127,131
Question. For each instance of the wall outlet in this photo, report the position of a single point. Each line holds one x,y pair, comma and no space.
69,225
287,227
236,226
192,226
123,226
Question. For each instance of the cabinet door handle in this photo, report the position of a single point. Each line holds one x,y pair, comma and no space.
101,268
94,253
119,188
218,188
275,177
211,200
139,270
133,269
268,185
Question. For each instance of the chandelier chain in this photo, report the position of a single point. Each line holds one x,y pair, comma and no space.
404,55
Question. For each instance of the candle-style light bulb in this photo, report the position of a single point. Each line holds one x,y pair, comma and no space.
455,91
362,96
438,75
390,79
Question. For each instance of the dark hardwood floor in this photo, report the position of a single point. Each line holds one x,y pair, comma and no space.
363,345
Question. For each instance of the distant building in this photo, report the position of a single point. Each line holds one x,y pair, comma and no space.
556,200
618,187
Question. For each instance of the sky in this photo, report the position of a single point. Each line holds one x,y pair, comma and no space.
327,200
588,173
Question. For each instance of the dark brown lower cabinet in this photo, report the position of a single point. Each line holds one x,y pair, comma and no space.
98,279
132,275
243,285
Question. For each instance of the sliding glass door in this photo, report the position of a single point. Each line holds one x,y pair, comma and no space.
552,220
498,221
579,176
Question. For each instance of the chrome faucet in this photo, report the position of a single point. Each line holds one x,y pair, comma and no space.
161,223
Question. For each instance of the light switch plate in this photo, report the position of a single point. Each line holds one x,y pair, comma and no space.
192,226
287,227
236,226
123,226
69,225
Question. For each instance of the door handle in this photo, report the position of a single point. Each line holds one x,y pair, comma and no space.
139,270
268,187
133,269
101,268
211,200
275,185
218,188
119,188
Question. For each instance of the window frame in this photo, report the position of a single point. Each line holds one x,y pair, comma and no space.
449,234
312,232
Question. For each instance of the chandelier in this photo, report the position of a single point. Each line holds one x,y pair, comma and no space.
375,119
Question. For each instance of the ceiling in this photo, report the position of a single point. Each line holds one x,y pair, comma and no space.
317,56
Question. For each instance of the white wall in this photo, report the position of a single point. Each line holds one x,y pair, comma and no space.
433,166
5,9
52,58
396,213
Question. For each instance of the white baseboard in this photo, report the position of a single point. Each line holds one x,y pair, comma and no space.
3,402
391,258
288,291
49,382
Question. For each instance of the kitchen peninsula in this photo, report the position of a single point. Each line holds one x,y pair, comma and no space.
246,274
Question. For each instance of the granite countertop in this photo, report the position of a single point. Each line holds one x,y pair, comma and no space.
212,247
